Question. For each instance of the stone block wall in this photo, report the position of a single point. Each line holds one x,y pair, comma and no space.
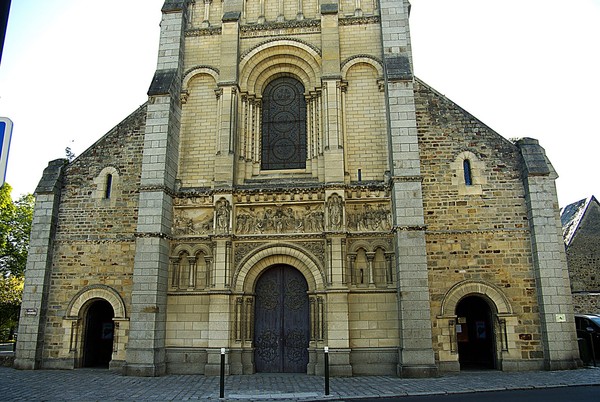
481,235
94,242
199,123
366,146
583,254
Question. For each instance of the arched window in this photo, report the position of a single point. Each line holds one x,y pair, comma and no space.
283,125
467,172
108,186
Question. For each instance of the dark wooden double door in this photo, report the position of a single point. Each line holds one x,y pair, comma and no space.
281,329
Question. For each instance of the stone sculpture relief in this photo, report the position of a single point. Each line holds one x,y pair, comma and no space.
223,213
197,222
278,219
335,212
368,217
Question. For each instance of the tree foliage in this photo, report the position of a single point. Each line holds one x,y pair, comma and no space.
15,227
11,293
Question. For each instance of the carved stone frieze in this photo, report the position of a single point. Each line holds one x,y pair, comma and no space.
317,248
241,250
193,201
196,221
369,217
280,219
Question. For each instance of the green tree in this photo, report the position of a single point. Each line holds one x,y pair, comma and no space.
15,227
11,293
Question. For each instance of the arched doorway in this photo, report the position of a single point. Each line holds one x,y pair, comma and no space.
475,334
281,326
98,334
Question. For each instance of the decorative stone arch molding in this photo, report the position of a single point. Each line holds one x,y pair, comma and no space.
251,267
271,57
499,301
97,292
74,322
362,59
188,266
194,72
108,186
478,176
379,270
505,323
259,66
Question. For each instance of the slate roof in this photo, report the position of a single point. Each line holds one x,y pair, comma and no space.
571,216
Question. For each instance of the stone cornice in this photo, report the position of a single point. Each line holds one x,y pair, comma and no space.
409,228
476,231
203,31
359,20
157,188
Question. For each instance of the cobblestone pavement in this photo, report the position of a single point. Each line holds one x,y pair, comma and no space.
104,385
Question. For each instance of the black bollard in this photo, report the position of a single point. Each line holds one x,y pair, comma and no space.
222,380
326,354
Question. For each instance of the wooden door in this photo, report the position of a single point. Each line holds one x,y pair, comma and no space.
281,331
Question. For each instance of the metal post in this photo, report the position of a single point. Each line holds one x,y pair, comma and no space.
222,379
326,370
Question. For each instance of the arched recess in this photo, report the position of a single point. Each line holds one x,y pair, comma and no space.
366,59
190,267
282,52
198,70
199,122
477,173
74,322
108,187
501,304
250,269
504,322
259,66
97,292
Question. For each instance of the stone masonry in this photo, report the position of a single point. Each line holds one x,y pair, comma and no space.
410,223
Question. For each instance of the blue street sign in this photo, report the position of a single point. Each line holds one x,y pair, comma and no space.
5,134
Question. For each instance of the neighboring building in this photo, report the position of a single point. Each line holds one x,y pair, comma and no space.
581,233
290,185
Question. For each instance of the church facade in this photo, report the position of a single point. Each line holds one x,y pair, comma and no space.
290,186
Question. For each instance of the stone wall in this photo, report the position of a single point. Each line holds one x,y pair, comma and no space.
94,243
478,232
583,254
586,303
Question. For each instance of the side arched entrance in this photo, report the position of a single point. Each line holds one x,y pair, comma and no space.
98,334
475,334
281,324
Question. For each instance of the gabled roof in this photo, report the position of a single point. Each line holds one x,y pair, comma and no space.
571,216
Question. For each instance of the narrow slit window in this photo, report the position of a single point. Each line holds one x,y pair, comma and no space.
467,172
108,187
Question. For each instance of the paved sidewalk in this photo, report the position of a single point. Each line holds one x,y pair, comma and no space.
103,385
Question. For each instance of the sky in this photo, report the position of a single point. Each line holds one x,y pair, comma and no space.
72,69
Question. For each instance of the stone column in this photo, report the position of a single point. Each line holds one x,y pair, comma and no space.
416,358
146,346
228,101
32,320
549,259
332,100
